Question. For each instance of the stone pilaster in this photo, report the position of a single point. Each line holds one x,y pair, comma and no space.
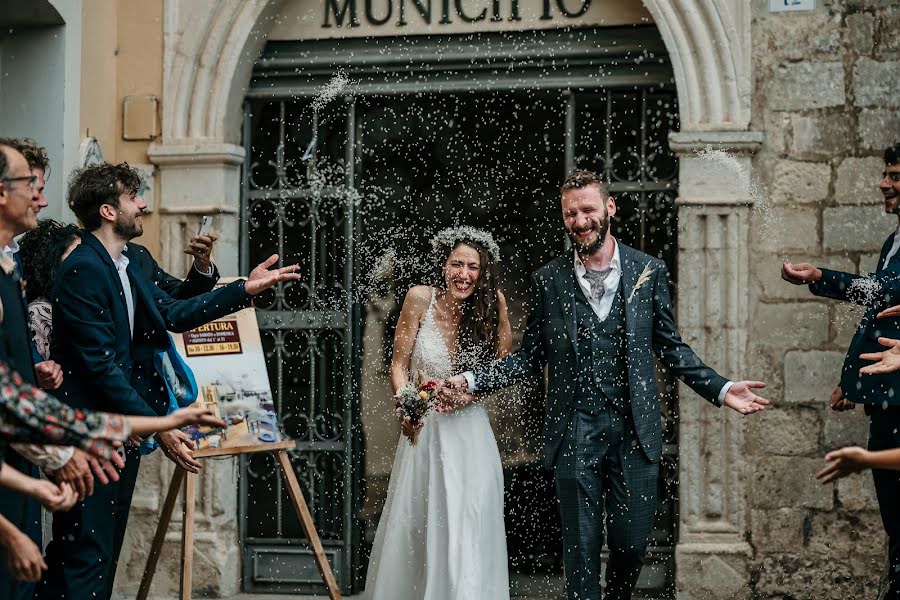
713,312
199,179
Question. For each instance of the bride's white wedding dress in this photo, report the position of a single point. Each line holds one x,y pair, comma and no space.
441,535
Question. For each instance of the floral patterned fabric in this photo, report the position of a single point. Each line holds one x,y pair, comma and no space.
29,415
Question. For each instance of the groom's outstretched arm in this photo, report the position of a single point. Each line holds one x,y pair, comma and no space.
530,358
674,352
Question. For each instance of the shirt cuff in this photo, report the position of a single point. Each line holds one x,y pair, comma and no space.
208,273
470,381
723,392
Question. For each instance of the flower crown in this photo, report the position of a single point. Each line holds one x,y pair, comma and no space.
446,239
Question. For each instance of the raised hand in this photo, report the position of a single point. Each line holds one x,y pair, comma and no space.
740,397
261,278
800,273
888,360
893,311
200,247
839,402
842,463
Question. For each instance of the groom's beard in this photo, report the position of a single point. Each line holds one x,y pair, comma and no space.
602,229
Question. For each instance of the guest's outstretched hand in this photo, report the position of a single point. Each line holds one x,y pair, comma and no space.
800,273
888,361
261,278
893,311
843,462
742,398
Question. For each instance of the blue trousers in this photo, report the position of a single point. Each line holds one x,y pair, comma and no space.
84,552
602,474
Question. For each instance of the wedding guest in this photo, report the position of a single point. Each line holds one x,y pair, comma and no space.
871,385
109,321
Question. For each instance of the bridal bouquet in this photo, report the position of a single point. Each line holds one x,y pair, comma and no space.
412,403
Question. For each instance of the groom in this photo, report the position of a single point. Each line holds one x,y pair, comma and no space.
598,314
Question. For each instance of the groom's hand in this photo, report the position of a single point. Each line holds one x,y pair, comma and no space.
261,278
800,274
742,398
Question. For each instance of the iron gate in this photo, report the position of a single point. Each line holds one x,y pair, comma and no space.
299,201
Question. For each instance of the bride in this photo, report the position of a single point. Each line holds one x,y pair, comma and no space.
441,535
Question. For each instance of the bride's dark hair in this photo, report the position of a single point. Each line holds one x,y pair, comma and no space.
478,337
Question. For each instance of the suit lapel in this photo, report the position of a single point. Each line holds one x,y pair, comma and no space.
94,244
631,270
564,282
888,244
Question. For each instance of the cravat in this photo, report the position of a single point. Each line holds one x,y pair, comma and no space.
595,279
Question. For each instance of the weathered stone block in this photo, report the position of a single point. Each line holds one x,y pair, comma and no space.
791,576
784,432
799,325
868,262
857,181
810,376
861,32
837,533
779,530
861,229
878,128
820,137
786,482
889,25
800,182
805,36
806,85
845,317
790,228
847,428
858,492
875,83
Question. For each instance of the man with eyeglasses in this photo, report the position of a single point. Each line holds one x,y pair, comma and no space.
879,393
18,199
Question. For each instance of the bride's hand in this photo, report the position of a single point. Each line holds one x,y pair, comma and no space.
409,430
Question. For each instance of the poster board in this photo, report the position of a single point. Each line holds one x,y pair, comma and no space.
227,360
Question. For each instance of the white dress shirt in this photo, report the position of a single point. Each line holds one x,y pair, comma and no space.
601,305
122,267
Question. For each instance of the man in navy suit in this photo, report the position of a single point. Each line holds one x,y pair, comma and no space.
880,393
597,316
109,321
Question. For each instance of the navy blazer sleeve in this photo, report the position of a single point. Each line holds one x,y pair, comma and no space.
79,303
195,284
884,291
184,315
529,359
673,351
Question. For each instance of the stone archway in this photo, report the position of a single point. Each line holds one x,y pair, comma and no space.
210,49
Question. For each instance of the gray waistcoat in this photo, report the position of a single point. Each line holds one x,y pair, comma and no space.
603,371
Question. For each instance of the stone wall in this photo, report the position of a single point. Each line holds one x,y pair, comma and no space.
827,96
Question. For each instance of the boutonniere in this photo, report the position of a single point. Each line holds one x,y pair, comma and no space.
643,278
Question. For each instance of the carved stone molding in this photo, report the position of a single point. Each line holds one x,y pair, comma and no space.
713,315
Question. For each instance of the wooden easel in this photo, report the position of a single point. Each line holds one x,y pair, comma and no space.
279,449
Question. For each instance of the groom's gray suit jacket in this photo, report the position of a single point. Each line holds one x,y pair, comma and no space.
550,338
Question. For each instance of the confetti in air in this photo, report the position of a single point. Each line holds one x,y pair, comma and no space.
864,290
330,91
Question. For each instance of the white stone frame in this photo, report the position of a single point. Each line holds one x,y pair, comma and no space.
210,49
